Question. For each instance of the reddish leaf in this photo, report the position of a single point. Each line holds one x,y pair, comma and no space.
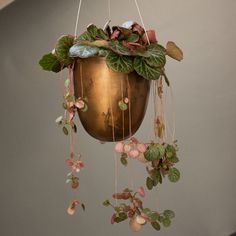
151,36
138,28
115,34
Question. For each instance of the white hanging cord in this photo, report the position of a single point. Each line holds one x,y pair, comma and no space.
109,9
141,18
77,18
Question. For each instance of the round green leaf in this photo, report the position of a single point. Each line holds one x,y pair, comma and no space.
65,130
50,62
169,214
123,161
156,225
133,38
173,175
62,49
152,153
157,56
123,64
123,106
149,183
106,203
166,222
145,70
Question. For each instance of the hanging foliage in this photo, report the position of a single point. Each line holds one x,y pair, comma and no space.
125,49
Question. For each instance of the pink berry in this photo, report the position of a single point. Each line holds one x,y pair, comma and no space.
141,147
119,147
127,148
134,153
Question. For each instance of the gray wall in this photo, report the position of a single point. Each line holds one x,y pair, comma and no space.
33,195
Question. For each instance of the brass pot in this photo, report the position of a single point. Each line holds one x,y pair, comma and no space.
103,88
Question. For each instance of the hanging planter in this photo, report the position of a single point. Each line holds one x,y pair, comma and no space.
108,93
108,85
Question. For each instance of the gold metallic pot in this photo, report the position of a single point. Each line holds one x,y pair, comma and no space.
104,88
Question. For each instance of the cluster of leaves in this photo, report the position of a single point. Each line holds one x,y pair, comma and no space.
71,105
162,157
132,209
76,165
125,48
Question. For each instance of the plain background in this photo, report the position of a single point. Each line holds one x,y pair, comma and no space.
34,196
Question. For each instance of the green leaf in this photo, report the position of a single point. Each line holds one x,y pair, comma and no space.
173,175
123,161
149,183
145,70
123,215
160,219
152,153
123,64
103,52
169,214
82,51
62,49
65,130
157,177
102,34
123,106
64,105
146,211
166,222
173,159
83,206
127,190
85,108
84,37
118,219
93,31
50,62
156,225
118,48
153,216
133,38
157,56
106,203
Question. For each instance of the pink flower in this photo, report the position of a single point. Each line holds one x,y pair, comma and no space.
141,192
119,147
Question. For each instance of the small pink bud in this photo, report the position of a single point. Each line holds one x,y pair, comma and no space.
127,148
134,153
71,211
141,192
126,100
69,162
119,147
141,147
80,104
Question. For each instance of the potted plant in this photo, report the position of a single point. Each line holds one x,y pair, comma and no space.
121,61
108,84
